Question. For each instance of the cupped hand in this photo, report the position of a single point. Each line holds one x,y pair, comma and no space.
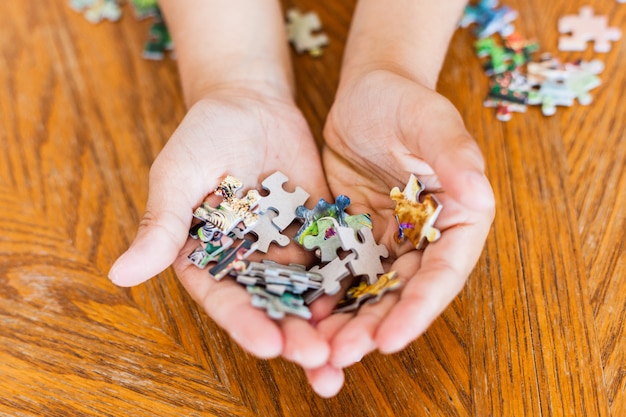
238,132
382,127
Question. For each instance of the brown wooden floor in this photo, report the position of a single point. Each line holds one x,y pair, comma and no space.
540,329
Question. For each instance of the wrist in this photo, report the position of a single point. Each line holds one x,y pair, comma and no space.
250,78
406,37
229,43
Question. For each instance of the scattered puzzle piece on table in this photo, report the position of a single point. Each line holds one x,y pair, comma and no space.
282,202
508,92
159,39
573,82
415,218
145,8
586,27
300,32
489,19
363,293
278,306
96,11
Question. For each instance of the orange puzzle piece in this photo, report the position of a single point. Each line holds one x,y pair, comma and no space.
415,218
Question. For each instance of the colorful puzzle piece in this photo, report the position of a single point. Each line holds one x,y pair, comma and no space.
232,210
300,32
586,27
489,19
415,218
573,84
326,242
323,208
363,293
159,39
145,8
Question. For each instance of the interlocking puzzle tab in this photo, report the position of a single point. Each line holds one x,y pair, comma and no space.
300,32
586,27
415,218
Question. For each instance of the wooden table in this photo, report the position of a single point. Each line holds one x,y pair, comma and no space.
539,329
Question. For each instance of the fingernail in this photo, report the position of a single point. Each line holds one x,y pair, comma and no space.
113,272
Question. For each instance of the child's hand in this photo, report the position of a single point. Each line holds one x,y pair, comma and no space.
249,136
382,128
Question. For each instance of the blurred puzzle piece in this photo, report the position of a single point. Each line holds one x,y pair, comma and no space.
584,27
300,32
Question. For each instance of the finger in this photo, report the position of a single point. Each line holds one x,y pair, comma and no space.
304,345
452,153
433,286
228,304
356,338
326,381
162,232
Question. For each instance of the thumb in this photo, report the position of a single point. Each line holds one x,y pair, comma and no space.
459,166
162,233
440,137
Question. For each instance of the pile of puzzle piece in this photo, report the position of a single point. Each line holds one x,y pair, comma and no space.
343,243
302,28
516,80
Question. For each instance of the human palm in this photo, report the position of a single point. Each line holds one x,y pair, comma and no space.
383,127
248,136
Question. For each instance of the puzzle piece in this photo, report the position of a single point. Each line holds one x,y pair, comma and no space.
282,202
332,273
586,27
323,208
214,243
300,28
415,218
232,210
489,19
574,84
508,92
326,242
279,279
368,252
231,260
278,306
145,8
266,232
159,39
96,11
363,293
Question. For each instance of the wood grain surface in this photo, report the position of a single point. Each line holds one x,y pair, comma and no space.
539,330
